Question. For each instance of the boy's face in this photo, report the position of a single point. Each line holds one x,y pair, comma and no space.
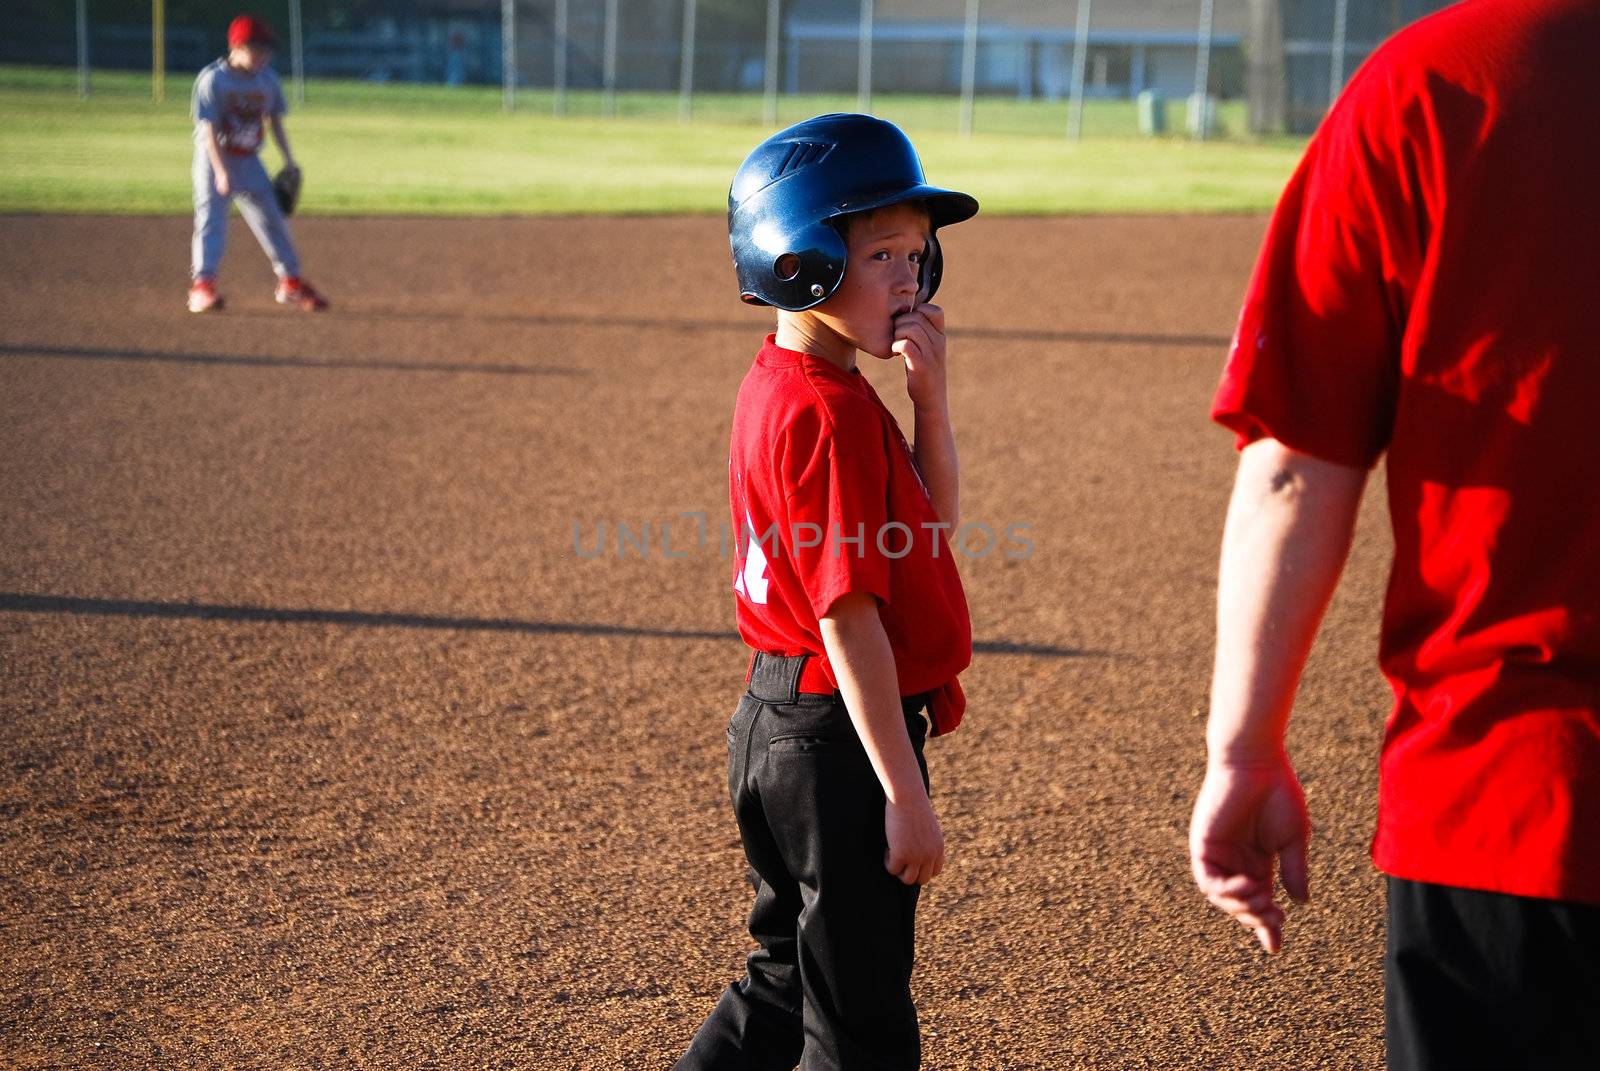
882,274
252,58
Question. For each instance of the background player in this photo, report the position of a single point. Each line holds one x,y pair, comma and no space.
846,590
235,99
1427,290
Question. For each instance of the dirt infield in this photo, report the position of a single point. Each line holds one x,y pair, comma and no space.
329,740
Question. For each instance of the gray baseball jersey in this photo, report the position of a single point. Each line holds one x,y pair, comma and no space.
237,104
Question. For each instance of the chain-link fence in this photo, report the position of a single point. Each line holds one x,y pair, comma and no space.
1313,46
1085,67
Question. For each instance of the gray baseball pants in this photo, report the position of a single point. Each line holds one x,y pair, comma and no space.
257,203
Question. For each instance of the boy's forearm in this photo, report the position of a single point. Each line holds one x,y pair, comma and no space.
213,147
863,662
1288,532
937,460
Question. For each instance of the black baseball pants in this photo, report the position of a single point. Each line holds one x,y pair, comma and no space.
829,988
1477,979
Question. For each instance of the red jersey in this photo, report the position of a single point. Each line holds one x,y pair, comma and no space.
1428,288
827,498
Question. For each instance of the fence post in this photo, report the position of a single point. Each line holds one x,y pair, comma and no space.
297,59
686,71
969,67
769,103
1202,69
864,60
158,50
1080,59
1341,13
508,54
608,99
83,49
560,59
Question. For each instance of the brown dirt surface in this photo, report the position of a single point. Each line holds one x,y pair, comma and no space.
326,743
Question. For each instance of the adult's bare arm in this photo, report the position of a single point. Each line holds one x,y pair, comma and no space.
1284,546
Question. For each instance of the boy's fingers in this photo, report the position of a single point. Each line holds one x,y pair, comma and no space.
915,321
911,871
920,345
934,313
903,869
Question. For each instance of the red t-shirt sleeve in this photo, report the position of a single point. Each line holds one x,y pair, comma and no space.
838,504
1315,359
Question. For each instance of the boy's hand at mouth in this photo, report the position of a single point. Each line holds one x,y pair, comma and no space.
919,338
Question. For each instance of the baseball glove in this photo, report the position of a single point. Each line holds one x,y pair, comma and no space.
286,186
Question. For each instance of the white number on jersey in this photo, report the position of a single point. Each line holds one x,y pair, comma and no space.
752,579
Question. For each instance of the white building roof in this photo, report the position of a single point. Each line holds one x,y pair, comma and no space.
1143,22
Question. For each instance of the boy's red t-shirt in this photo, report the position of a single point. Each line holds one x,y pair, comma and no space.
1428,289
827,499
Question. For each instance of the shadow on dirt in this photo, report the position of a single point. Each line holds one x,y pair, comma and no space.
199,611
78,354
667,323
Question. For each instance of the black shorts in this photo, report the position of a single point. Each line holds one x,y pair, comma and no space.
1485,980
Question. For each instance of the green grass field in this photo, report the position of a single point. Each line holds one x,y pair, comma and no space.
373,149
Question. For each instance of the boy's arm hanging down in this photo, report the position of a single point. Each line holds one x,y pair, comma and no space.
219,172
919,338
858,649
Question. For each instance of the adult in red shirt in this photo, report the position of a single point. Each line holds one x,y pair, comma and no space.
1426,294
847,592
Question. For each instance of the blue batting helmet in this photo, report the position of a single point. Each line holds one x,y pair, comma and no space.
789,194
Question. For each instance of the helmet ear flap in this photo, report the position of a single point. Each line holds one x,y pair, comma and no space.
932,270
791,271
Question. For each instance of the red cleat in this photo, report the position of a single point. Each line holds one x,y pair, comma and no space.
203,296
299,294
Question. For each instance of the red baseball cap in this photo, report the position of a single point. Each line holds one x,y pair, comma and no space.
249,30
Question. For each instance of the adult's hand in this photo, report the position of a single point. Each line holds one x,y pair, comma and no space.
1250,820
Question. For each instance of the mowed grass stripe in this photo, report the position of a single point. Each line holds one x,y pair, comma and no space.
431,150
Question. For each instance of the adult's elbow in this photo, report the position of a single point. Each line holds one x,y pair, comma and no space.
1282,475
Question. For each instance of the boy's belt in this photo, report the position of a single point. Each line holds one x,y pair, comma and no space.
784,678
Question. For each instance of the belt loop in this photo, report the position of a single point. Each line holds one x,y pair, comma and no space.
792,673
775,678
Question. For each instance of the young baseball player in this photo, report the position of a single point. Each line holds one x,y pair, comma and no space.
235,100
846,589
